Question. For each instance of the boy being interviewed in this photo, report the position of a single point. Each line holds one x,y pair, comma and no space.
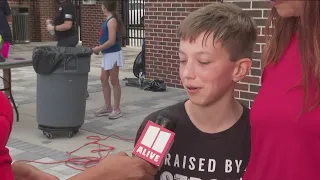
212,128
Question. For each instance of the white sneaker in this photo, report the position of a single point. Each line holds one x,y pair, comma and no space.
104,111
115,114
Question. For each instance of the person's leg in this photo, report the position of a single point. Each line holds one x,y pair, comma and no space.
114,76
106,90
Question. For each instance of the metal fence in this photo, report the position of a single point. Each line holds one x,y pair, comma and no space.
78,16
133,12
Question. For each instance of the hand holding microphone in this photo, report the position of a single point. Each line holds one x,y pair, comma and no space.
119,166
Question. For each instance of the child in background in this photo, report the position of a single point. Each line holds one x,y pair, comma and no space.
112,59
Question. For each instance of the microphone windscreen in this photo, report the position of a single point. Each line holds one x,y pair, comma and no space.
166,120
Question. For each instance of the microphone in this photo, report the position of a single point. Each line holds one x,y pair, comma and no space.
156,140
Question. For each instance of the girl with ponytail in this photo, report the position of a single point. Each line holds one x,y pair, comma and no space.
112,59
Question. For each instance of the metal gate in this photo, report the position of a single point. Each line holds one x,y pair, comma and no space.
133,18
78,16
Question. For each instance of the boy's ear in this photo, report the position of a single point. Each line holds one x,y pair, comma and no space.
242,68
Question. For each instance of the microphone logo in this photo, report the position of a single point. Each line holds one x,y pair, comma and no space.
154,143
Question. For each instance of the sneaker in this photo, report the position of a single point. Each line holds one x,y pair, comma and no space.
104,111
115,114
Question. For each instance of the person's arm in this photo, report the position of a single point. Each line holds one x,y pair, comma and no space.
24,171
7,11
69,16
6,121
9,19
112,168
112,33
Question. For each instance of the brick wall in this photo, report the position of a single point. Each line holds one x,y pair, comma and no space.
34,21
161,22
46,9
91,22
39,11
247,89
162,19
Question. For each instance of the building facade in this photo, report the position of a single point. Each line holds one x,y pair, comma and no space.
161,21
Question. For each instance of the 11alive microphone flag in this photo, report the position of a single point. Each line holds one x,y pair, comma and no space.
154,143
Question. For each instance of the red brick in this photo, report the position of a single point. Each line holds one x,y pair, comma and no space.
251,80
247,95
245,102
242,87
254,88
236,94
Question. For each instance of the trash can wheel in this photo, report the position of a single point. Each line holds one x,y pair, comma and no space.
71,133
48,134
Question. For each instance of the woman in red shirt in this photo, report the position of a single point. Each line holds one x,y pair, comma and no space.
285,116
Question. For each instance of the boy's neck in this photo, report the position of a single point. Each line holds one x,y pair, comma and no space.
216,117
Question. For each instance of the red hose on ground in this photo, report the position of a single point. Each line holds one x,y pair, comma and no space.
86,161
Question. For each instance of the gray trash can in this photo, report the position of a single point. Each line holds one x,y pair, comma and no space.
62,79
20,24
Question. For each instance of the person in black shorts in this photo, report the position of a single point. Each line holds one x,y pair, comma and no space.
5,32
212,129
65,24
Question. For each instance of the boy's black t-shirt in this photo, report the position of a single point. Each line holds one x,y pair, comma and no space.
196,155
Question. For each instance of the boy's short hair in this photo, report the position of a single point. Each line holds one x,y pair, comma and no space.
229,24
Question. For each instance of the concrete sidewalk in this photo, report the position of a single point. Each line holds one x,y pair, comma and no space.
28,143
